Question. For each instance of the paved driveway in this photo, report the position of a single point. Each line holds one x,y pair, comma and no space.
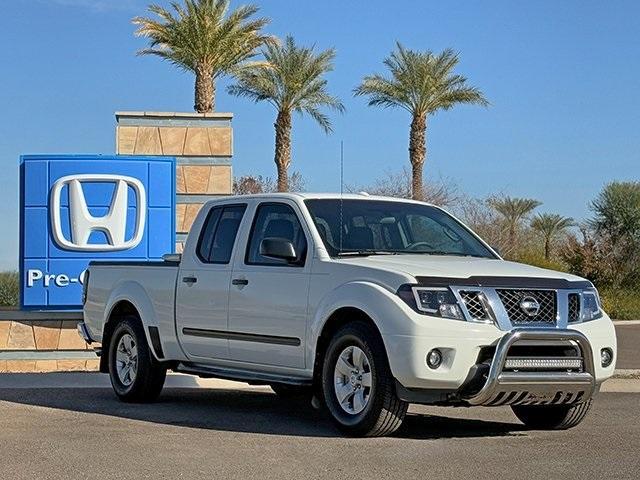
69,433
628,346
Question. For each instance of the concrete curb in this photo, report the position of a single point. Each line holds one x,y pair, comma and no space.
626,373
625,323
621,385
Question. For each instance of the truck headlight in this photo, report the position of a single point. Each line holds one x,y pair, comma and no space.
438,301
590,309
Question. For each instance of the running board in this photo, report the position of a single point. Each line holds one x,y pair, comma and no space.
252,377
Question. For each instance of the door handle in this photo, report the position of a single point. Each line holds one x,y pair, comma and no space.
189,280
239,281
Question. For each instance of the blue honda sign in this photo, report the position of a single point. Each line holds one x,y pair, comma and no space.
78,208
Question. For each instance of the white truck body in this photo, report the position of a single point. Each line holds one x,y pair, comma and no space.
266,322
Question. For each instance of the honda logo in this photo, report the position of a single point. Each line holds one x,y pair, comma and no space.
113,224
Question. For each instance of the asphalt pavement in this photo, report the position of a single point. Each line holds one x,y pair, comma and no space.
81,430
628,345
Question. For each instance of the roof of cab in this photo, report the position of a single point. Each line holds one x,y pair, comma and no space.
308,196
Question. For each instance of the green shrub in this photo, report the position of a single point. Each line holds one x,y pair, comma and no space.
9,289
620,303
535,258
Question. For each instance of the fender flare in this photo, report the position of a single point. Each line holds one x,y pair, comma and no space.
136,295
384,308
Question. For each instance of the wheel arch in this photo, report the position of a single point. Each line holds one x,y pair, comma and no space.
338,318
135,303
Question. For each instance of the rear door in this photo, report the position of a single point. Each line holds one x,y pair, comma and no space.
268,297
203,284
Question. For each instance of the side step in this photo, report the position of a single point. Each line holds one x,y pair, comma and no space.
255,378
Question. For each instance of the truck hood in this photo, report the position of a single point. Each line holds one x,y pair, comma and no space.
455,267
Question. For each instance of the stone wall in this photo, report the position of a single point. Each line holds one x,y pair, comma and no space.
202,145
43,342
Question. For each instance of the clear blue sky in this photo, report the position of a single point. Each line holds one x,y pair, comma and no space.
563,79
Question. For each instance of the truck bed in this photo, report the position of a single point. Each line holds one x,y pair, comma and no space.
151,285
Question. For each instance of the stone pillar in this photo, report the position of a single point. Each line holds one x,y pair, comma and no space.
202,144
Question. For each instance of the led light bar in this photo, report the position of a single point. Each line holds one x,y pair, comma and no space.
542,363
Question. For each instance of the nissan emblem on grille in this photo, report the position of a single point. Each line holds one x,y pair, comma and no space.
530,306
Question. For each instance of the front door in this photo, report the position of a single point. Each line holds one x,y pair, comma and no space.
203,285
268,297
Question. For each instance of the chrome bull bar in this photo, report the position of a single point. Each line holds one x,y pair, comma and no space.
536,388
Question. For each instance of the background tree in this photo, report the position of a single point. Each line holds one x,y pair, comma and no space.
203,37
514,211
292,80
252,184
550,226
442,192
617,211
616,227
422,83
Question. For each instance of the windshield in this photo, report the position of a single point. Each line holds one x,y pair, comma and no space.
387,227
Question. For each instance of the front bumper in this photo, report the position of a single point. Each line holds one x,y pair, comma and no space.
538,387
462,344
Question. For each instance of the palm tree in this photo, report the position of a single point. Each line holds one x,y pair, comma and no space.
292,80
203,37
550,226
513,211
422,83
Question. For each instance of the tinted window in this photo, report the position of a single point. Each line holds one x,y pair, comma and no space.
394,227
219,234
276,220
206,237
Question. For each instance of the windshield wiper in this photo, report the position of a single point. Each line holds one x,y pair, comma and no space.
364,253
453,254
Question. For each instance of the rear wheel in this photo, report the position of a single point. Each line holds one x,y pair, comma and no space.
551,417
357,384
136,376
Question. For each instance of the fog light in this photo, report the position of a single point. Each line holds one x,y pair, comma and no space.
434,358
606,357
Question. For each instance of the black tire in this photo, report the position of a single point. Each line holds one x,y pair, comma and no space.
150,375
384,411
284,390
551,417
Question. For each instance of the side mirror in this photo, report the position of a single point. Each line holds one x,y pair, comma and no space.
278,248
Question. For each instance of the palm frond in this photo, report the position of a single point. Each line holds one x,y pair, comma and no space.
551,224
292,79
204,35
420,82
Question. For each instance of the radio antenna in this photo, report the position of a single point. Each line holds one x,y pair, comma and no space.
341,188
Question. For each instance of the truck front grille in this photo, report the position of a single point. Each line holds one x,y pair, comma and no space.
574,307
513,300
475,305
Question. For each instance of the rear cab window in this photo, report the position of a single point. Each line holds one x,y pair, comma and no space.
219,233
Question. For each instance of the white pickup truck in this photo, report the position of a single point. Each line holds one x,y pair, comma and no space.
364,303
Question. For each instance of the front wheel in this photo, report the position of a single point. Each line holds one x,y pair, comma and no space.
552,417
136,376
357,383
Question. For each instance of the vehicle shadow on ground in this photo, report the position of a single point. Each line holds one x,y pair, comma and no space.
241,411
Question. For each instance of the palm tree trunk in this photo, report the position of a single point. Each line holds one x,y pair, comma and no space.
417,154
547,248
205,90
283,148
512,236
